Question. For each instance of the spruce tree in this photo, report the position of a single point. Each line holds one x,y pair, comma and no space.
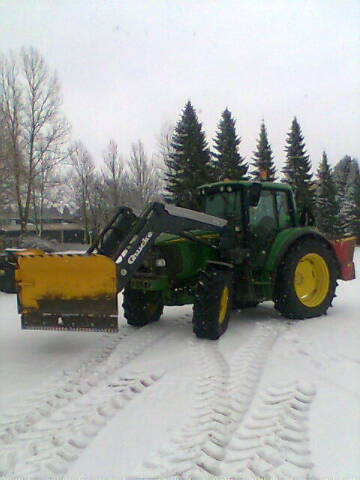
189,163
357,202
228,161
341,176
263,158
349,212
297,167
327,209
347,182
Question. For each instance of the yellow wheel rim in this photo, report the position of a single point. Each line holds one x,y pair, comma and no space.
312,280
224,301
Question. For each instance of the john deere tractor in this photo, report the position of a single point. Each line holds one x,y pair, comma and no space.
247,244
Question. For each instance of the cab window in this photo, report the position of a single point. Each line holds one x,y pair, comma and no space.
263,215
284,213
222,204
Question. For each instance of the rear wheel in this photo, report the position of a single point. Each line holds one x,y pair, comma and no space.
142,307
212,305
306,280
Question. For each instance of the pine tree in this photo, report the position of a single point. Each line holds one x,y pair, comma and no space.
189,164
347,182
327,209
228,163
298,166
263,158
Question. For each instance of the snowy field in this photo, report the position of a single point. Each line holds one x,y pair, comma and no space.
272,399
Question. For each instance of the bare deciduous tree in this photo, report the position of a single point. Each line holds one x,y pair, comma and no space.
44,184
143,178
165,140
11,120
97,204
81,179
113,177
5,183
30,107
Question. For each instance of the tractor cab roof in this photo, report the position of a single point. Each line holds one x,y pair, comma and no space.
233,185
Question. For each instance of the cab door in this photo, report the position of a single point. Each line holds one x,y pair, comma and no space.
263,227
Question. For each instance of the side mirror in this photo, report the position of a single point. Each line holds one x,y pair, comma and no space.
254,194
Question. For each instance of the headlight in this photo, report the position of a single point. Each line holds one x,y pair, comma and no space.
160,262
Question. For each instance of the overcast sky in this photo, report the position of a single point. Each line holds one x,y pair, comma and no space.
127,67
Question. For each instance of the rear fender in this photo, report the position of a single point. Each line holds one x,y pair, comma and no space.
286,240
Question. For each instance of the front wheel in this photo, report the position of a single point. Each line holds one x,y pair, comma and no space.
306,280
142,307
212,305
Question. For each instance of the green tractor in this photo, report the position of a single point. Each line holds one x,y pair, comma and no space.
246,244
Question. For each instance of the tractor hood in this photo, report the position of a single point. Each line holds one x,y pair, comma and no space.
167,238
185,257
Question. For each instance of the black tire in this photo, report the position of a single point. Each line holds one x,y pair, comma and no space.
142,307
306,280
212,305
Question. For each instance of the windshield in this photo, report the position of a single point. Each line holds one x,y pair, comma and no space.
222,205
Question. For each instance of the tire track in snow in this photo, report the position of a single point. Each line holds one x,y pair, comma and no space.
65,387
22,442
51,448
223,394
70,385
273,442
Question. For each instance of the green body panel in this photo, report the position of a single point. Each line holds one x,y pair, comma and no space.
281,244
193,255
167,238
179,277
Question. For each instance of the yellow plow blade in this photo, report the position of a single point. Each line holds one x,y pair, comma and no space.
67,292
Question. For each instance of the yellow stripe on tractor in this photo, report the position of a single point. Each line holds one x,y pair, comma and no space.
67,292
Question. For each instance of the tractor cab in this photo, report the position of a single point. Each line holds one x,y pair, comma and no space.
253,202
258,212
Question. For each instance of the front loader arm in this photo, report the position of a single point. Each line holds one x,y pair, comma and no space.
79,292
157,219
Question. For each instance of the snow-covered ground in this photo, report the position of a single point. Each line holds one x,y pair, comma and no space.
271,399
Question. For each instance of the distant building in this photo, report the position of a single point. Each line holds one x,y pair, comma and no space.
62,232
62,227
